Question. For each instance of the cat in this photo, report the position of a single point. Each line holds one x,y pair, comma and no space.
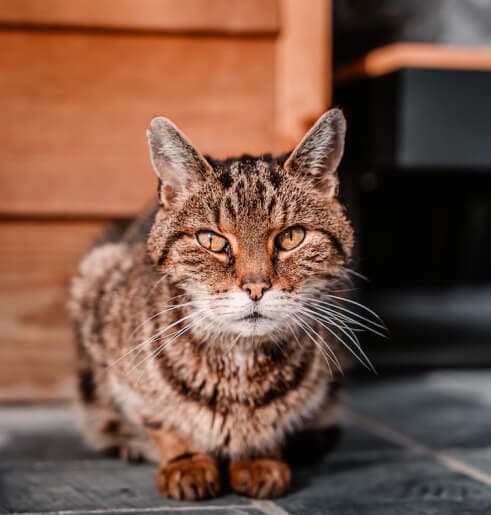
210,328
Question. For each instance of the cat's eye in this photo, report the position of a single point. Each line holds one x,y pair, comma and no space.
211,241
290,238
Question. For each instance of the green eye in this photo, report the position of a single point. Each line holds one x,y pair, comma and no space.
211,241
290,238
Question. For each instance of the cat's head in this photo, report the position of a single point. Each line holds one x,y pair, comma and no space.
250,239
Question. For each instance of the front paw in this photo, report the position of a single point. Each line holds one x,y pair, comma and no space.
261,478
189,479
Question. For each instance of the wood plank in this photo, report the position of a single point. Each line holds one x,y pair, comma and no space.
219,16
393,57
37,260
303,80
75,108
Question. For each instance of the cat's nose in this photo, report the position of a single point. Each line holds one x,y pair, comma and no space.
255,287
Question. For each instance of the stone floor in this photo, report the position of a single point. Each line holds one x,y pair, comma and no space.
418,444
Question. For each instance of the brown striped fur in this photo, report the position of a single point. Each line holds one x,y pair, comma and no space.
240,376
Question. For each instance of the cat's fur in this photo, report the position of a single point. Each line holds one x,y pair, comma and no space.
185,385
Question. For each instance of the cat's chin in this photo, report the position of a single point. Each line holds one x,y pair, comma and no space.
250,327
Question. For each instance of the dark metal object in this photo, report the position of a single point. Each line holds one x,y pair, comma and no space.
415,119
417,175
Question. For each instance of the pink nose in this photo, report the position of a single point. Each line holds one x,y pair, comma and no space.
256,287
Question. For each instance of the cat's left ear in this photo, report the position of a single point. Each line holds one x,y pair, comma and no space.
176,162
319,153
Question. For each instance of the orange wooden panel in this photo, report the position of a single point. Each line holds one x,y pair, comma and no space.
75,108
414,55
36,351
303,81
237,16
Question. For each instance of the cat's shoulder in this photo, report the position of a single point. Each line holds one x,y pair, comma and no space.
103,258
96,269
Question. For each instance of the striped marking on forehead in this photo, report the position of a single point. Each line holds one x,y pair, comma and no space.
249,185
229,172
253,190
225,179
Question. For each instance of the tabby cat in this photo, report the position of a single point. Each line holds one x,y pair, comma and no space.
210,329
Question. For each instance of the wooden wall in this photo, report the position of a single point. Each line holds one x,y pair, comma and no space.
78,87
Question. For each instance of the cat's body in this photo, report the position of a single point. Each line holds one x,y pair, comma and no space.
195,338
228,398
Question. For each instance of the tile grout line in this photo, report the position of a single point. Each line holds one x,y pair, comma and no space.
268,507
391,435
152,509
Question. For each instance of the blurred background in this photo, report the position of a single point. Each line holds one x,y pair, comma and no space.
414,78
80,80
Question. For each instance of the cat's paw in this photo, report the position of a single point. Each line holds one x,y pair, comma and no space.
190,479
131,455
261,478
138,450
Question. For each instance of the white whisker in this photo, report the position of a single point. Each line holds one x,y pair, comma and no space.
155,353
307,329
169,308
155,336
336,306
361,306
346,331
333,310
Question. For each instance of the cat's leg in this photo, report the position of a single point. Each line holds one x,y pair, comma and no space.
263,478
185,472
103,426
270,476
100,422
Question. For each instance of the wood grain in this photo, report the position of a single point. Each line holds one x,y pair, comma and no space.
222,16
303,78
37,260
414,55
75,108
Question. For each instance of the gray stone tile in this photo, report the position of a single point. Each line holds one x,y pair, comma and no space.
356,439
385,482
40,433
84,485
473,385
441,507
416,408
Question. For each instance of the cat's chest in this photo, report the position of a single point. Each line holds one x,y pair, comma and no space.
251,381
252,399
232,402
242,373
239,377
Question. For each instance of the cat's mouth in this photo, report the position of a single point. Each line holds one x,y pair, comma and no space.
253,323
253,317
238,315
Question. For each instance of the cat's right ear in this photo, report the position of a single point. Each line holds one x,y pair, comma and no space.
176,162
319,153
